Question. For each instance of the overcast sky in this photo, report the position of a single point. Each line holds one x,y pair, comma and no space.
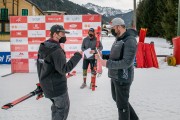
118,4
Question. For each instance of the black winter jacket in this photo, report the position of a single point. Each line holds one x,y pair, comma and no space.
52,68
120,64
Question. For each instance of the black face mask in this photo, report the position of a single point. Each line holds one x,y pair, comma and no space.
62,40
113,32
91,35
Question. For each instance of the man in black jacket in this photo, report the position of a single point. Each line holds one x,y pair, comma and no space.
52,68
89,42
120,67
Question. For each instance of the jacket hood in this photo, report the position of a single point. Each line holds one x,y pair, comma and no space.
129,32
47,46
132,32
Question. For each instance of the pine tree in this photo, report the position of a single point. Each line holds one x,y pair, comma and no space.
169,19
140,15
148,17
160,11
159,16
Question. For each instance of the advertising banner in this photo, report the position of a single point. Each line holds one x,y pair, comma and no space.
27,32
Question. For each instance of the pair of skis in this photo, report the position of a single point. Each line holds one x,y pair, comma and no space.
97,63
38,91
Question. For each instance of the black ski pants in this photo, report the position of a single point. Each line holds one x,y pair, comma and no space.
60,107
120,94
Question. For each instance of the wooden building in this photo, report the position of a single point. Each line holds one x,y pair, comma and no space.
15,8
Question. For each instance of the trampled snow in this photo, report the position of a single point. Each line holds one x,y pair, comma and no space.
155,93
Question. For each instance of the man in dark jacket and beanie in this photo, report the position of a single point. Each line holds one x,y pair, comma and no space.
89,42
120,67
52,68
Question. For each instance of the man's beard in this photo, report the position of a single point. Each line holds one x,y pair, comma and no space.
118,33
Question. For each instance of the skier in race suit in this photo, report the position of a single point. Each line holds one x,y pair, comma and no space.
89,42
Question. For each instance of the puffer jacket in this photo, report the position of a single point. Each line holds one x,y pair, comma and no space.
120,63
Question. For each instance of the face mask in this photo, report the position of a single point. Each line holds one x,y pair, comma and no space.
113,32
62,40
91,35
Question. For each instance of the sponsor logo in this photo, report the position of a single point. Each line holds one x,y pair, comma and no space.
72,47
33,47
36,41
87,25
18,20
36,19
91,18
14,26
21,54
36,26
8,58
18,48
18,40
73,18
49,25
73,33
73,40
73,26
35,55
1,58
54,19
36,33
21,26
18,33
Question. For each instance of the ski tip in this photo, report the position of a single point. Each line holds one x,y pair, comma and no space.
7,106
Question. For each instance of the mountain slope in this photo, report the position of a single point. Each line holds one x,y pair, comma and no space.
110,13
75,9
62,5
107,11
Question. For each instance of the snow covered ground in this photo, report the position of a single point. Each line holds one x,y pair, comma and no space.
155,93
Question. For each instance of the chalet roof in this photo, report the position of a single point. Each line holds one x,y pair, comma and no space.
35,6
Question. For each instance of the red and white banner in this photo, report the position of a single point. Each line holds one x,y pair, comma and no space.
27,32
